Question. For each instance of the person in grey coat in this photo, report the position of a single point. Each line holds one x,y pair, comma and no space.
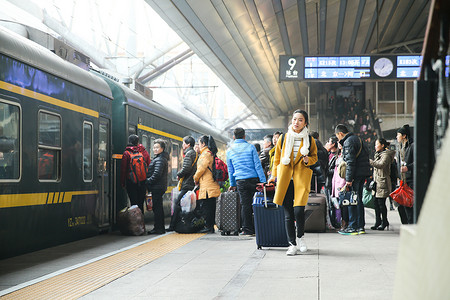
382,176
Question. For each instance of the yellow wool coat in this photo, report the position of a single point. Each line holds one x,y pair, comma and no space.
208,187
297,170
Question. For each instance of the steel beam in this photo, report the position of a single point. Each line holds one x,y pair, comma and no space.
342,11
358,18
301,6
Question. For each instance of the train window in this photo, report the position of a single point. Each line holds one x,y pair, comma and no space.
87,151
174,153
9,141
145,141
131,130
150,149
49,146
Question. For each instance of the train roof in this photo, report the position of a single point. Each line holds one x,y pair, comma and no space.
22,49
137,100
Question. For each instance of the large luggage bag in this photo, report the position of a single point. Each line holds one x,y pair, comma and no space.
228,213
270,230
316,213
131,221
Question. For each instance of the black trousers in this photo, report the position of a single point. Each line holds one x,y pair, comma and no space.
136,193
158,211
246,189
208,210
177,210
406,214
380,211
294,216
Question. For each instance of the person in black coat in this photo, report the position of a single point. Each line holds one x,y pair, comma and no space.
185,177
356,155
157,183
264,156
405,156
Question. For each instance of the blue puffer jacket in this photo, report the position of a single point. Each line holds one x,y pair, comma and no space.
243,162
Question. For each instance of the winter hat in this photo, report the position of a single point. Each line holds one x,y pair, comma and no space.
404,130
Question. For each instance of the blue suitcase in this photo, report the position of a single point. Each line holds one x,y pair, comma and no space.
270,230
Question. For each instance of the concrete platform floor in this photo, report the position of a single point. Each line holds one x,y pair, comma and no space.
218,267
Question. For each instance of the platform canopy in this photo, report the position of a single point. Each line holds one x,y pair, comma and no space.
239,40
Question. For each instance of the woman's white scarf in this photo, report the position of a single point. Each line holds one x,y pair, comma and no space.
289,144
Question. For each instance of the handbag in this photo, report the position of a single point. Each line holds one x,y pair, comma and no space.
348,197
403,195
367,198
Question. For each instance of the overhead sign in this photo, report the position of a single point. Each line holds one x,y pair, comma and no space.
367,67
291,68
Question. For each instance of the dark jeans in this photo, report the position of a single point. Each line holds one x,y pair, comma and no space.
293,213
246,189
406,214
136,193
208,210
356,217
158,211
380,212
177,210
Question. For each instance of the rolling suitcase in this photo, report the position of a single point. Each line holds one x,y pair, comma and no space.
270,230
228,213
316,212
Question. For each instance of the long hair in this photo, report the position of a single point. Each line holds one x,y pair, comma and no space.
304,113
210,143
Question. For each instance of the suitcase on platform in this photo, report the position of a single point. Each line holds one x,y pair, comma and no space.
270,230
316,213
228,213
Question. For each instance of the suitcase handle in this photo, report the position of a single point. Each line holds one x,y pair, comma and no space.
265,198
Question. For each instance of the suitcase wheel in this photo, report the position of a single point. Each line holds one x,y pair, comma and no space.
222,233
259,247
236,233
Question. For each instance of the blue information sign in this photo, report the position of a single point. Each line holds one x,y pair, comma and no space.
408,72
352,67
409,61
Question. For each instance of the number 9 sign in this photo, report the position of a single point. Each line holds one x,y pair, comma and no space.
292,62
290,68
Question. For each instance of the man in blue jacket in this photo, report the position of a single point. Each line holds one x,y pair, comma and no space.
245,171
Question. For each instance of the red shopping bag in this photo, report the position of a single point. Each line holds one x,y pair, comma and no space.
403,195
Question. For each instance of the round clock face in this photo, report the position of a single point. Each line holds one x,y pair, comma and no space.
383,67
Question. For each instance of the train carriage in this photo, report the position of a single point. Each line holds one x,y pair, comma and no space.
50,118
135,114
62,133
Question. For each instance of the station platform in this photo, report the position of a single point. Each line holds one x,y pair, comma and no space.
208,266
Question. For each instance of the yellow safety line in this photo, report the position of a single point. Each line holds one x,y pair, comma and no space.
47,99
83,280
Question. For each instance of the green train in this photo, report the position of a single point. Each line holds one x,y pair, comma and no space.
62,133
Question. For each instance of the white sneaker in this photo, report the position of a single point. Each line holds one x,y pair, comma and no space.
302,245
292,250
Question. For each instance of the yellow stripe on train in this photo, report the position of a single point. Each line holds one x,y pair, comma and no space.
19,200
47,99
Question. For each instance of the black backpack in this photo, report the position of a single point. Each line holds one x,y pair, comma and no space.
394,174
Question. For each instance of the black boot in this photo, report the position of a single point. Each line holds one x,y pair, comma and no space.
377,216
383,210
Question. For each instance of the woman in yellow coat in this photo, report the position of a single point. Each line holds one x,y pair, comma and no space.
295,153
209,189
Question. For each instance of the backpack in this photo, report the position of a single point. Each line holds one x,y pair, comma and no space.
138,167
219,170
394,174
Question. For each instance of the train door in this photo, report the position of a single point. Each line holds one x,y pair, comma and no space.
104,190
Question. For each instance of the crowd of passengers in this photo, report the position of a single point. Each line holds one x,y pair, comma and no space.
297,162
